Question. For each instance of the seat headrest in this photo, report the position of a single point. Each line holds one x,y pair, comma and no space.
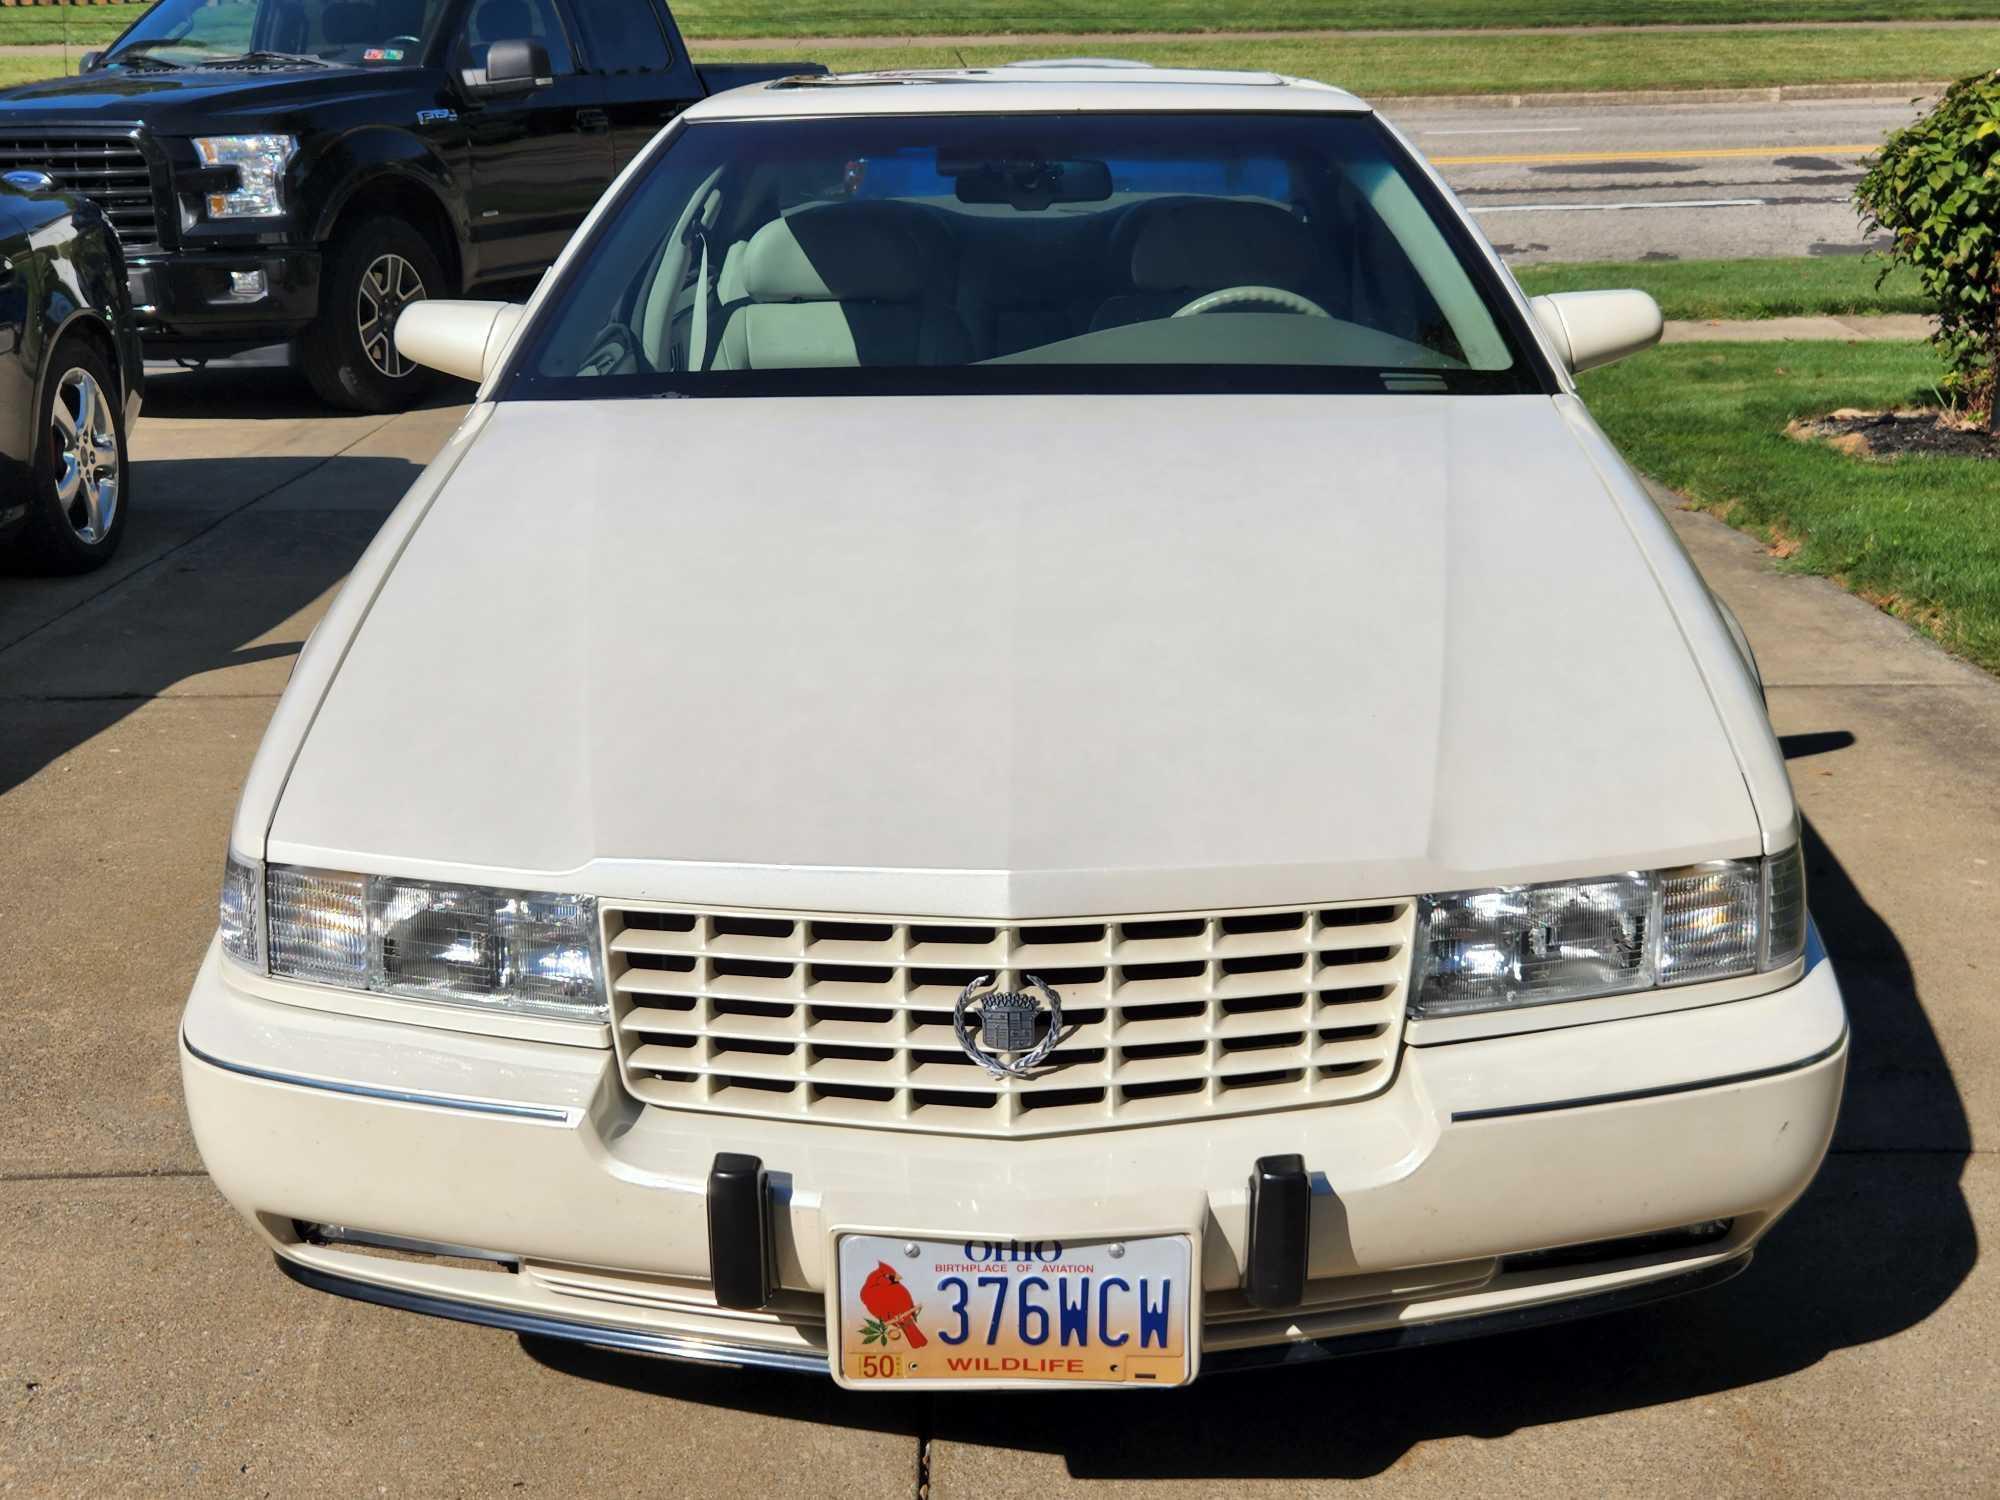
841,253
1219,243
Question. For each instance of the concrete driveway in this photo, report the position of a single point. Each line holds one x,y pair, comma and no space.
148,1347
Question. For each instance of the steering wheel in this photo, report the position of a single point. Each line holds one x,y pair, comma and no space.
1267,296
414,41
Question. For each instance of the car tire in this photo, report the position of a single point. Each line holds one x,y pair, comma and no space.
82,479
373,269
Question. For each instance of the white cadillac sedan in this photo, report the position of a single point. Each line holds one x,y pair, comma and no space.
1027,737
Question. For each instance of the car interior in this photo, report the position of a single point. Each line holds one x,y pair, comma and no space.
930,259
898,283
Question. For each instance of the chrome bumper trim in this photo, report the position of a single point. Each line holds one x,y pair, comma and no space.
536,1325
1478,1325
1222,1362
544,1114
1508,1111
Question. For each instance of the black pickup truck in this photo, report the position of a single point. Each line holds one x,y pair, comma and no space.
300,169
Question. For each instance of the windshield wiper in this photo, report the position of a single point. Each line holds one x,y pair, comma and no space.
268,59
139,55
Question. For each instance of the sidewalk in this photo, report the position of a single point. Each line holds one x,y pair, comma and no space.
1899,327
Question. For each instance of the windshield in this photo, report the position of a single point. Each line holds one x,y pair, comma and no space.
1095,252
366,33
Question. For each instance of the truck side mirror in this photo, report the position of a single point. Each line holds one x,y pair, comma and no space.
513,67
89,61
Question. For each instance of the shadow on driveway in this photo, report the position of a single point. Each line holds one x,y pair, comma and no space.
81,655
1878,1243
259,393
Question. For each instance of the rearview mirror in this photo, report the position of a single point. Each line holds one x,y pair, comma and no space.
1029,185
465,339
1594,328
513,67
88,62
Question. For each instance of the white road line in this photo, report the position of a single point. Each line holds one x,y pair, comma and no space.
1603,208
1514,130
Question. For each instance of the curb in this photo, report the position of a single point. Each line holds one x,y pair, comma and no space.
1785,93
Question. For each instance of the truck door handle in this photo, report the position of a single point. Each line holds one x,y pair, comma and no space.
592,120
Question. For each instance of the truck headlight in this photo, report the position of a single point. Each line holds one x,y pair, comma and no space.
1517,946
523,952
260,162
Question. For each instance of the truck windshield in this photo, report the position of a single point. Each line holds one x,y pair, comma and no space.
1094,252
365,33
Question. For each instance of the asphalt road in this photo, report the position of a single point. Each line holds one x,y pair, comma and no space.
147,1347
1666,182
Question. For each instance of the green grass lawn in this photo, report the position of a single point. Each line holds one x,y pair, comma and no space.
89,25
1920,535
780,18
1832,285
1382,67
31,69
973,17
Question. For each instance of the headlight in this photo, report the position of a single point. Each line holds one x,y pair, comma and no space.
1577,939
260,162
516,951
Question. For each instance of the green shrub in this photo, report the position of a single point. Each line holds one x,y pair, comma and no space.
1935,186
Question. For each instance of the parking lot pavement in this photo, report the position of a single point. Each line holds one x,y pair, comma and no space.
147,1346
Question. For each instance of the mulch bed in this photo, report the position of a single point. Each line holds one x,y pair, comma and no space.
1891,434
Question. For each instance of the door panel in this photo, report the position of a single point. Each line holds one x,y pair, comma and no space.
645,76
538,161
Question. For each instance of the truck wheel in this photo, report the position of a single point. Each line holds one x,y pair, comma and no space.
373,269
76,515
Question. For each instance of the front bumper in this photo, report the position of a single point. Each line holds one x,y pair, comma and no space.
188,300
586,1213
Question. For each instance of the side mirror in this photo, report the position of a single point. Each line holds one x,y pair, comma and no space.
464,339
1594,328
89,61
513,68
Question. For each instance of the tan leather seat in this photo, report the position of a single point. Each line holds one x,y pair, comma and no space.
839,285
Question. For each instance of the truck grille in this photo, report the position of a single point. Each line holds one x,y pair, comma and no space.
849,1018
110,169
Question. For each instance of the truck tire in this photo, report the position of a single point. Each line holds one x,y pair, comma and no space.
374,267
82,481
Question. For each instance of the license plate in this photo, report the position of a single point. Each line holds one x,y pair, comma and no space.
1013,1311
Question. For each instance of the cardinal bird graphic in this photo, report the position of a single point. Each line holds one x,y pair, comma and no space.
884,1295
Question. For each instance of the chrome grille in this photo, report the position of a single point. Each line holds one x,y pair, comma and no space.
849,1018
111,170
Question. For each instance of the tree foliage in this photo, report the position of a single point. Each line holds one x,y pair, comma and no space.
1935,186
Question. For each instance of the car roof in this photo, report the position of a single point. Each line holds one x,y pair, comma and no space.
1100,85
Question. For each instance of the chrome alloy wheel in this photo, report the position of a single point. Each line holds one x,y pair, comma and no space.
83,428
388,286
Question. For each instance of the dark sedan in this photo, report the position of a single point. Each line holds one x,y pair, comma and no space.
70,380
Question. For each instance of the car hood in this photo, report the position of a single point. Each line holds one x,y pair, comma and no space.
192,99
1018,657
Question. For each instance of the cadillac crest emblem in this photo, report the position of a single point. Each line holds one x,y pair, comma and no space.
997,1027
